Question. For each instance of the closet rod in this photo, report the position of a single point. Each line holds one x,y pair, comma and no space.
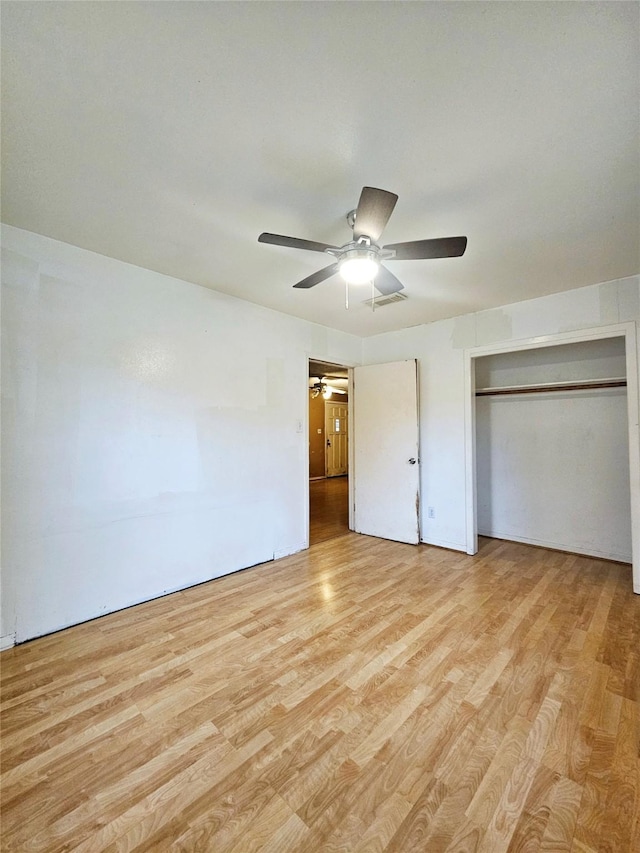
552,386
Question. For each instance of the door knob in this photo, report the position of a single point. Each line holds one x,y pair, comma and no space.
412,461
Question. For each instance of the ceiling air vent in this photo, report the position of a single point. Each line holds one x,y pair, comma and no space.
385,299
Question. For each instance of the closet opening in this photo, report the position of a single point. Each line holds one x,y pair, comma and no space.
552,445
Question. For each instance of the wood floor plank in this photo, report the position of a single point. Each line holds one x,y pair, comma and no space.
565,802
361,696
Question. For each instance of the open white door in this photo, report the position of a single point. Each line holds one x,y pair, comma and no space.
386,465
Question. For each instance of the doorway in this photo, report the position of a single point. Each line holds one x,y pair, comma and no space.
328,451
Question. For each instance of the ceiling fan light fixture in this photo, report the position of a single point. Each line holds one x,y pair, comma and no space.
360,269
326,393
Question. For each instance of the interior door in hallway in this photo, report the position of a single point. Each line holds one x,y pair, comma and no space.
386,464
337,438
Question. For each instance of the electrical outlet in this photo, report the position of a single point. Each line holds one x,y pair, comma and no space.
431,513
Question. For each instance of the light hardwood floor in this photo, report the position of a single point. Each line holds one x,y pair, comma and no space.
360,696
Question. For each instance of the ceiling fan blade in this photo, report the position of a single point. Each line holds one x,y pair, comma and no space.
294,242
373,212
335,390
442,247
338,381
317,277
386,282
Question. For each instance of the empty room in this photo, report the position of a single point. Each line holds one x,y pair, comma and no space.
320,450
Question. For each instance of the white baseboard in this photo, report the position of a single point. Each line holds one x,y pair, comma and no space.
559,546
7,642
289,550
442,543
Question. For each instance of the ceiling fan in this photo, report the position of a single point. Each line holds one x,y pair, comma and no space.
358,261
327,385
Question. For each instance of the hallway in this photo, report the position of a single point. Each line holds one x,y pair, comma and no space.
328,508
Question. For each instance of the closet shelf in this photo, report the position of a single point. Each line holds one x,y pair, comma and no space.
581,385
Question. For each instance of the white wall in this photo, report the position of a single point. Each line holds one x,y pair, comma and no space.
440,348
154,433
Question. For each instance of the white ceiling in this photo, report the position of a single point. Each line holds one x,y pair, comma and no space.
171,134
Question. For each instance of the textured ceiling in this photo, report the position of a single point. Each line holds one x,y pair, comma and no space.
171,134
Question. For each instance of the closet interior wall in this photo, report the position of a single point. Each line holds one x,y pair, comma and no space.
552,463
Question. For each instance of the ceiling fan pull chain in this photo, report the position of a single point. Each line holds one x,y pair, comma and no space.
373,296
346,295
